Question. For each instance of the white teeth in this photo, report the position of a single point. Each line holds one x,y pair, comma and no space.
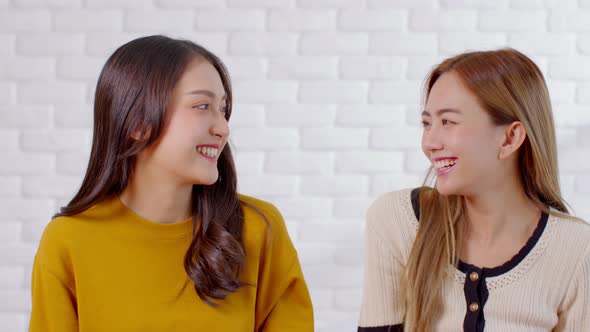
208,151
443,163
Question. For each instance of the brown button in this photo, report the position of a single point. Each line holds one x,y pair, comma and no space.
473,276
473,307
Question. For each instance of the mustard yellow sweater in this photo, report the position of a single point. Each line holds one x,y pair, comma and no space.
107,269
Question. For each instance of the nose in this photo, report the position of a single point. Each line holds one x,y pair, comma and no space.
431,140
220,127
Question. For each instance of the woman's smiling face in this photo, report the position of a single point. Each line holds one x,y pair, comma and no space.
196,128
459,138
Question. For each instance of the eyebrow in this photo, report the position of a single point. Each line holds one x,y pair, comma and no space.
443,111
204,92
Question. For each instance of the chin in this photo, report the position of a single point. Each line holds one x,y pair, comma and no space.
207,183
205,179
210,181
446,189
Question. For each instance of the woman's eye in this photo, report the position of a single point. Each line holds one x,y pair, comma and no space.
202,106
446,122
425,123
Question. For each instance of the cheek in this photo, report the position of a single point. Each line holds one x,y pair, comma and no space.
174,137
423,145
463,140
479,147
178,143
185,130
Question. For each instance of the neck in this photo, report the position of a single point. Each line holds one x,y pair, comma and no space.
157,199
501,211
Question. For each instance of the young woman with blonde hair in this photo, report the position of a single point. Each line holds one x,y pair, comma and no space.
491,245
157,237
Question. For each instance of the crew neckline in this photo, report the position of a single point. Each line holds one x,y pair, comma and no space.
118,210
509,271
516,259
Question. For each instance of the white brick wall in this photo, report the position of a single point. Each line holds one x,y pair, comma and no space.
262,43
301,20
18,20
73,20
403,43
513,20
327,97
447,20
303,67
333,43
229,20
367,20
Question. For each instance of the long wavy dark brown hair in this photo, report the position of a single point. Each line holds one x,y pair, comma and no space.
132,95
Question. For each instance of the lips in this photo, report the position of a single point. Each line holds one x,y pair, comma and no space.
444,165
209,151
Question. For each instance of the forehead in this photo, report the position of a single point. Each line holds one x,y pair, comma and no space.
200,74
449,91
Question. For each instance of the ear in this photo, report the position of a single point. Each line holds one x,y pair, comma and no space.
514,136
138,135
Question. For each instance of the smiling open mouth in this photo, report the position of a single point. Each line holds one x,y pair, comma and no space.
445,164
207,151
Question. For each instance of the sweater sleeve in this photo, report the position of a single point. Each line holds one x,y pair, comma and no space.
53,295
283,302
575,313
383,304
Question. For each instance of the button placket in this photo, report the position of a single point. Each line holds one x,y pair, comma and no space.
473,284
474,299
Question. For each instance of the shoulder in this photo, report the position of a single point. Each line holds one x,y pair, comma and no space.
392,222
56,233
572,235
263,222
262,216
57,246
569,248
61,230
393,209
259,209
64,232
566,242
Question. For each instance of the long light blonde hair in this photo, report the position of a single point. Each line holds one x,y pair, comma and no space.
510,87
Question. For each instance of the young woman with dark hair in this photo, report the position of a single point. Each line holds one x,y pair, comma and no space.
157,237
491,245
